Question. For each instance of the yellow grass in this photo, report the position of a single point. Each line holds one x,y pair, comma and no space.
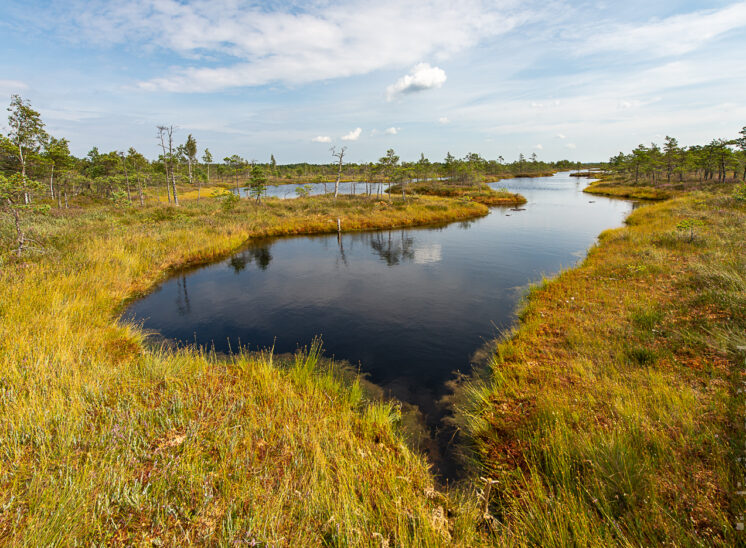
607,417
104,440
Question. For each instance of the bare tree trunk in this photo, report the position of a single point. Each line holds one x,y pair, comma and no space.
340,155
170,133
139,190
127,179
161,136
173,184
51,183
19,234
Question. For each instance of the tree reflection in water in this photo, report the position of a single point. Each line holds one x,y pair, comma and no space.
260,255
393,250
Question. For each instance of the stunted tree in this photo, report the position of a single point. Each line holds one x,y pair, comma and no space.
190,153
671,155
207,159
57,154
25,137
339,155
138,163
388,164
741,144
13,196
126,176
257,181
423,168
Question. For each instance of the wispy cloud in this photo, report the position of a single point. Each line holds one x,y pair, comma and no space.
354,135
322,139
539,147
673,35
443,120
8,87
232,43
422,77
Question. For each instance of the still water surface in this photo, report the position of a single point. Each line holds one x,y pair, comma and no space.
407,306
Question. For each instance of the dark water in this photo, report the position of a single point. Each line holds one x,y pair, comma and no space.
409,306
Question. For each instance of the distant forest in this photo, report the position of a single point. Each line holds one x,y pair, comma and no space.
43,165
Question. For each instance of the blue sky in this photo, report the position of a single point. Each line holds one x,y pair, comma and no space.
563,79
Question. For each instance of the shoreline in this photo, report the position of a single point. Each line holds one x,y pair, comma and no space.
553,396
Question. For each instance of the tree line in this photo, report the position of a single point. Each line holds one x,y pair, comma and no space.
720,160
46,168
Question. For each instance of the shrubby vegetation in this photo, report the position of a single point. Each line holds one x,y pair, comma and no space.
37,156
612,414
609,417
720,160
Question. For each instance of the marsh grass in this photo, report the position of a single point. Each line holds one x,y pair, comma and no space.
608,417
107,440
480,193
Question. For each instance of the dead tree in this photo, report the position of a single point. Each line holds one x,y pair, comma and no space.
339,155
166,134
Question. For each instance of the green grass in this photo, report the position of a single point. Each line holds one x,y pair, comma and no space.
480,193
609,416
105,440
635,192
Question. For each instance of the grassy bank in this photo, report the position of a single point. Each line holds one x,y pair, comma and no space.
633,192
106,441
610,416
480,193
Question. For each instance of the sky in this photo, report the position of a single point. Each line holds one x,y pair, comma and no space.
562,79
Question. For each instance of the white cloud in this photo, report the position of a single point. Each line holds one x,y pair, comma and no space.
322,139
12,86
539,147
571,146
443,120
673,35
249,44
422,77
561,136
392,131
354,135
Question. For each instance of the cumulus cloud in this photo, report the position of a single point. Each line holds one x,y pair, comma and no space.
561,136
392,131
322,139
354,135
443,119
539,147
422,77
234,43
571,146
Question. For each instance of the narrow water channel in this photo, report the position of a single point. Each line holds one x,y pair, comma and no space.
407,306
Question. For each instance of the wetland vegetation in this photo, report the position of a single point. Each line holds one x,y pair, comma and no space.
609,415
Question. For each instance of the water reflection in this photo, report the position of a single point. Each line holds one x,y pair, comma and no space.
393,247
408,306
260,255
